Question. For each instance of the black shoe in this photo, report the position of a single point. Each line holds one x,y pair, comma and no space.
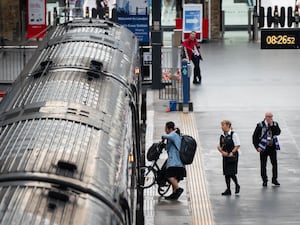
200,78
275,182
227,192
171,196
237,188
178,192
195,82
265,184
175,195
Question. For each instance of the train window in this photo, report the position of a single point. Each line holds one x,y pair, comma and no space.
96,65
45,63
58,195
66,165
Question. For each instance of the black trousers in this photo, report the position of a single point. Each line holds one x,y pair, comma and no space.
197,72
271,152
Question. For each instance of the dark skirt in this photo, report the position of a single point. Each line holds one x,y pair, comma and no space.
230,167
178,172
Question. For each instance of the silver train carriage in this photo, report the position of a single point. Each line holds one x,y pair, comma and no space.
69,129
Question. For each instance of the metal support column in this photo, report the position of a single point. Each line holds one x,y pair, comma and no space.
223,23
250,28
156,40
255,27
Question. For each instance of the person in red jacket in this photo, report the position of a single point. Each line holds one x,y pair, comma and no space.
191,49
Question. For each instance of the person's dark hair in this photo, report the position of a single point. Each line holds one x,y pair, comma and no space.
171,125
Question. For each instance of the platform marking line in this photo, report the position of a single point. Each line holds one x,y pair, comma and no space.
149,193
196,180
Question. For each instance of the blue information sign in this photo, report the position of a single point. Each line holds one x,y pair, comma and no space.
138,24
192,20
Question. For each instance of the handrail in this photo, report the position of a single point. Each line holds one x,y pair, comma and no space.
19,47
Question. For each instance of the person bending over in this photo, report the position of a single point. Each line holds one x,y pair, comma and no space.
175,170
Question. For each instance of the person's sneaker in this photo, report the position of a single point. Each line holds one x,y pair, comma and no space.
227,192
237,188
178,192
265,183
275,182
175,195
200,79
171,196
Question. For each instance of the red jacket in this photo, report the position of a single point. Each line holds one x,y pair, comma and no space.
189,44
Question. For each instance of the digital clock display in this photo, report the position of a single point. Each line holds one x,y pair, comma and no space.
280,38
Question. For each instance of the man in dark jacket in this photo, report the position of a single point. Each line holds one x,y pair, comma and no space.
266,143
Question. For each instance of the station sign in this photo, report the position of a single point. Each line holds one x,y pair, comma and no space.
192,20
283,38
139,25
36,18
134,15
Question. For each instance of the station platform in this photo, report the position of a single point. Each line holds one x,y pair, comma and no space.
240,82
157,209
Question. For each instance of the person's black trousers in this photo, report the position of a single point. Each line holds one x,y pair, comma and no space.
271,152
197,72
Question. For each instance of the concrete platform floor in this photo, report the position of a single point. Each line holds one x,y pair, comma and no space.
240,82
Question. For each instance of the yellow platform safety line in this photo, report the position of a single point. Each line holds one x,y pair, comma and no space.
196,180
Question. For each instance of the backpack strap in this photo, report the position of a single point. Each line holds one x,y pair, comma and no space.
174,143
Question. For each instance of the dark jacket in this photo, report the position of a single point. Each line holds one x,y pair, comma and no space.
261,129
